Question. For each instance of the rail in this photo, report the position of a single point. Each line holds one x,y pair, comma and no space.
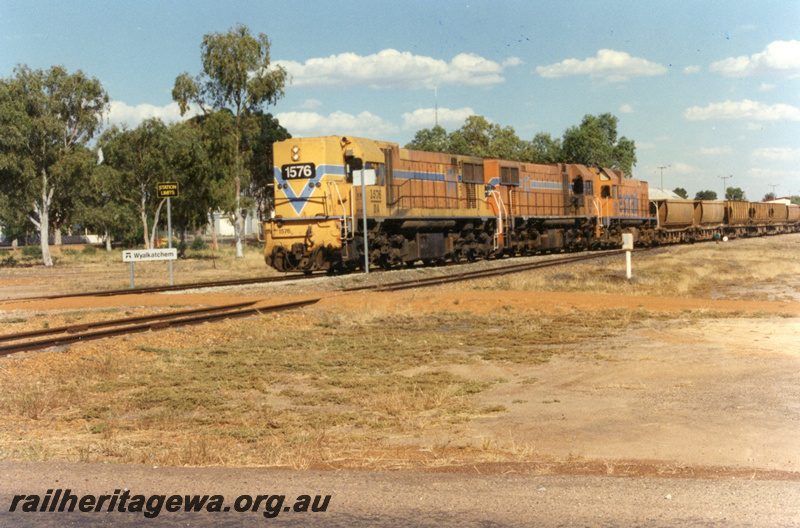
74,334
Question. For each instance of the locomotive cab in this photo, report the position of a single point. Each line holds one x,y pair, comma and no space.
317,199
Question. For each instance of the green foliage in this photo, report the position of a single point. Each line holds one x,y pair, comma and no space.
796,200
593,143
680,191
237,79
261,173
31,251
140,158
198,244
46,118
769,196
431,140
735,194
705,195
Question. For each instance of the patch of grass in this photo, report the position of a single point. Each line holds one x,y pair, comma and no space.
295,390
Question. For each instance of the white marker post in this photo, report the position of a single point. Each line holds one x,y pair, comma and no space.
627,245
364,208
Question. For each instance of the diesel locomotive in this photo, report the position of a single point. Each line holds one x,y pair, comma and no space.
432,207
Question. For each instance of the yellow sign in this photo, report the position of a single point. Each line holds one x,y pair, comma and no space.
167,190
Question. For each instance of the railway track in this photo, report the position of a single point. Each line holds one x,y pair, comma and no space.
480,274
65,335
161,289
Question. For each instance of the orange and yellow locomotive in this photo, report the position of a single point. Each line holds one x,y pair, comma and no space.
427,206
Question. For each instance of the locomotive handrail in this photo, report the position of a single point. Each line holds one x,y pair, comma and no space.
341,202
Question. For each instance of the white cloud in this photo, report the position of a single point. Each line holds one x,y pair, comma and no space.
613,66
392,68
426,118
777,154
120,113
682,168
626,109
715,151
338,123
745,109
765,87
691,69
781,57
310,104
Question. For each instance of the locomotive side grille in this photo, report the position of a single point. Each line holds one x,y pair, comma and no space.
472,201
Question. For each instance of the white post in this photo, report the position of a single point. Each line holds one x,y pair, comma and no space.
628,263
627,245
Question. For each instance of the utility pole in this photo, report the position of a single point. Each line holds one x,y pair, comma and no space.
773,190
661,168
724,188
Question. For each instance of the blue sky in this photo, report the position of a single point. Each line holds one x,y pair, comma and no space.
706,89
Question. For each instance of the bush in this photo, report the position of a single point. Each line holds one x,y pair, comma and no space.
8,262
198,243
31,251
89,249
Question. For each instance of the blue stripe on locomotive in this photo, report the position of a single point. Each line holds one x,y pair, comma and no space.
299,202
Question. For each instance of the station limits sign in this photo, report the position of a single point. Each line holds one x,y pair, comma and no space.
141,255
167,190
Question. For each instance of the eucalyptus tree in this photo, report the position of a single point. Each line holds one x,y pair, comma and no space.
100,208
433,139
736,194
705,195
261,169
44,118
139,159
238,77
594,143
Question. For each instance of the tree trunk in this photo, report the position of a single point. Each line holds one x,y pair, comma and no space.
183,243
42,210
107,238
57,241
214,244
155,225
143,213
237,221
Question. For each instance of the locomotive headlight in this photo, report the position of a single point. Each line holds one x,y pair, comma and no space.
295,153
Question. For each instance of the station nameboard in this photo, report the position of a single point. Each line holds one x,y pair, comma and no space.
141,255
167,190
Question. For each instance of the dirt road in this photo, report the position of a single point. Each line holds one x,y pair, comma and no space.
390,499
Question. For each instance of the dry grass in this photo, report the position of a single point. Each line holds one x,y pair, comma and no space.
679,271
296,391
314,388
27,277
